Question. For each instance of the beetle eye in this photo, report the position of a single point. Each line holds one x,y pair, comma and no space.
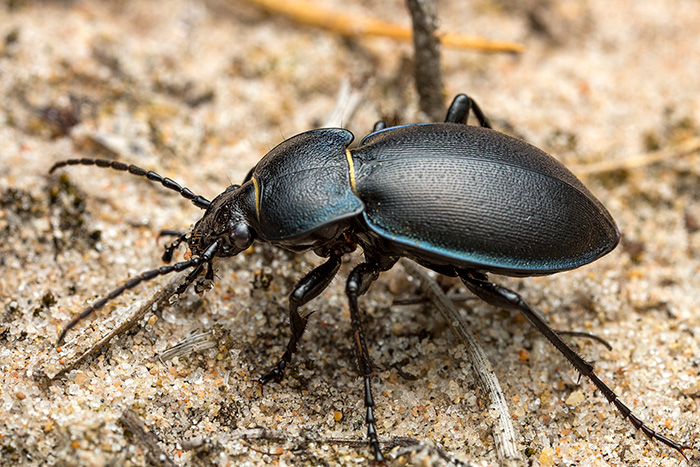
241,236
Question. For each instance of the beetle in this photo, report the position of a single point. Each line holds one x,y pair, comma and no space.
462,200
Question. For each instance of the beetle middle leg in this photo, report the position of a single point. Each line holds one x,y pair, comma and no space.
358,283
501,297
308,288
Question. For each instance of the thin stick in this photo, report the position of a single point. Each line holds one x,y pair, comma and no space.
684,148
145,439
426,58
301,441
503,431
346,103
314,14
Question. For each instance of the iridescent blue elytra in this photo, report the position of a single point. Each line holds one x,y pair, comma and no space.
443,193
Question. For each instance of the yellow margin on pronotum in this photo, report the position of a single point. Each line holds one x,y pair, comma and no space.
257,198
351,166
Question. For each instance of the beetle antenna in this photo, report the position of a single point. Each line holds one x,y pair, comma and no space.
199,201
206,257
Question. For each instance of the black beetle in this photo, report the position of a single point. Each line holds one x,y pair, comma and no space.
461,200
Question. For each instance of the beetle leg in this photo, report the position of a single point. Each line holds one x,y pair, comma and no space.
188,280
308,288
459,111
501,297
170,249
358,282
380,125
207,283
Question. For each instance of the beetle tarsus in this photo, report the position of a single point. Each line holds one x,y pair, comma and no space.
189,279
370,421
277,372
380,125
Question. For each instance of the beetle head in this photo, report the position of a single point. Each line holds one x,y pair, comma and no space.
226,222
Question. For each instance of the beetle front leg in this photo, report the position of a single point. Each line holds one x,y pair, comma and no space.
189,279
308,288
170,249
501,297
358,283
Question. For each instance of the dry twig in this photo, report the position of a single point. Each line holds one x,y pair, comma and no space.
156,301
426,58
314,14
303,440
684,148
145,439
503,431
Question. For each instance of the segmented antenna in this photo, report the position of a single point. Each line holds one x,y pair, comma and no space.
197,262
199,201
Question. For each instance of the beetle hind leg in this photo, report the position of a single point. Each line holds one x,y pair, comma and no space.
308,288
501,297
379,126
459,111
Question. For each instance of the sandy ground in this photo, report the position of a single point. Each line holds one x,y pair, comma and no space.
199,91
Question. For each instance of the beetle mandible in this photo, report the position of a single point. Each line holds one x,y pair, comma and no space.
462,200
